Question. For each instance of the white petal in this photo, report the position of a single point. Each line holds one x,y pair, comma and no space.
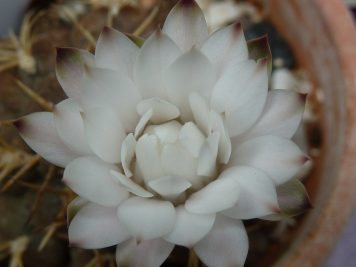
217,125
111,89
128,148
74,206
96,227
147,218
258,196
150,253
39,132
207,156
226,46
225,245
279,158
148,157
130,186
186,25
232,85
190,72
143,122
157,53
162,110
200,109
191,138
242,99
90,178
281,116
70,69
219,195
189,227
176,161
70,128
105,133
167,132
170,186
115,51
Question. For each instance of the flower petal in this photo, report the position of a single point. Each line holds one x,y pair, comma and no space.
207,156
219,195
217,125
70,69
225,245
279,158
201,110
142,123
177,161
186,25
162,110
189,227
74,207
170,186
243,101
293,198
190,72
70,128
129,185
258,196
281,116
39,132
157,53
115,51
147,218
104,133
96,227
191,138
106,88
167,132
148,157
259,48
226,46
150,253
128,148
90,178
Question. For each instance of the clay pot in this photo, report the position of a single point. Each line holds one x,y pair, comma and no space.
323,37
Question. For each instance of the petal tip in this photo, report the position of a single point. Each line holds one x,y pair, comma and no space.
303,97
187,3
20,125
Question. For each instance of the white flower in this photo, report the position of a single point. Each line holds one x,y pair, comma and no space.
172,143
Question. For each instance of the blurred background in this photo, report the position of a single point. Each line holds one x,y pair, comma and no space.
32,229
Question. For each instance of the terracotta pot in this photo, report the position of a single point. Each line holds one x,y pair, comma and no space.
323,37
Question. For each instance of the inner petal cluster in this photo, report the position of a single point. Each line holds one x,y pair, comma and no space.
169,158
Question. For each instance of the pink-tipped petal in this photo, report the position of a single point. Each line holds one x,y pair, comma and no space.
278,157
157,53
190,227
39,132
90,178
115,51
96,227
226,46
70,69
150,253
186,25
225,245
147,218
